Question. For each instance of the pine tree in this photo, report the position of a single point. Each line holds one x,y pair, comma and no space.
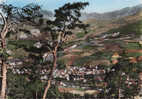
66,19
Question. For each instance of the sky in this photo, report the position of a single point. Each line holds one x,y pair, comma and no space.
99,6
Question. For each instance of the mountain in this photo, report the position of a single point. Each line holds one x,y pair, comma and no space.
128,11
47,14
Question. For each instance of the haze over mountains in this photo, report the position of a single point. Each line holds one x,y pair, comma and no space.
128,11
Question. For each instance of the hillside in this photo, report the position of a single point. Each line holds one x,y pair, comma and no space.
128,11
108,44
105,61
128,27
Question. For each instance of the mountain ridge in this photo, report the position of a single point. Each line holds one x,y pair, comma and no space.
127,11
117,14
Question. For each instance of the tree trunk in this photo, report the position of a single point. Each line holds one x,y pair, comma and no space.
36,94
51,75
3,88
4,72
46,89
3,65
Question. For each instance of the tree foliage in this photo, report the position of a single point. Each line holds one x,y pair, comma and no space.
66,19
